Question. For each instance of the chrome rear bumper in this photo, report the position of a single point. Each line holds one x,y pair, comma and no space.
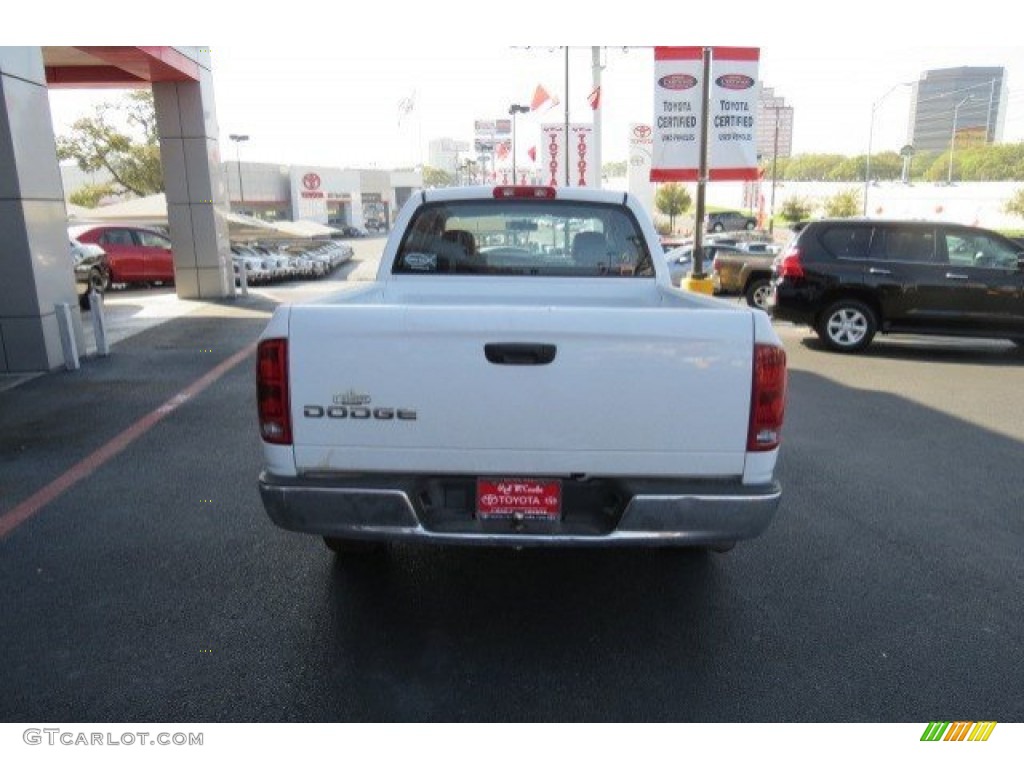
708,515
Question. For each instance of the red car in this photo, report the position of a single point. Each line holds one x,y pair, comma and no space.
135,254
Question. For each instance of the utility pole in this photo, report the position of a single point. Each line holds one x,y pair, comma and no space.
952,138
566,139
775,158
595,58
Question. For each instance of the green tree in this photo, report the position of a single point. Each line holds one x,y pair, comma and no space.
1015,205
849,169
843,204
996,162
885,166
90,195
129,152
811,167
672,200
796,208
436,177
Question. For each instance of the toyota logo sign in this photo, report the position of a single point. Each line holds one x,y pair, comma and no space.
642,131
311,181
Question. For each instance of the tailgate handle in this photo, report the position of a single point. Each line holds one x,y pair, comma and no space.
520,354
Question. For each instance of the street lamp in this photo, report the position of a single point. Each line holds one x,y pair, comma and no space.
238,138
513,110
775,158
871,132
952,138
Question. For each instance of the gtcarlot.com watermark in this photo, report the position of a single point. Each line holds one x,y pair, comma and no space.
57,737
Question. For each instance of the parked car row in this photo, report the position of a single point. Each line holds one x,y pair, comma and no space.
265,264
110,254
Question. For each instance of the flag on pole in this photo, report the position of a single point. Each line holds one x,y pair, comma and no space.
405,106
542,100
594,98
532,154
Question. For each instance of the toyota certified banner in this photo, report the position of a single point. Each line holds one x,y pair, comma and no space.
678,110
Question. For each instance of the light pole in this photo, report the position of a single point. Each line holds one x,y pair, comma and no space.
871,133
238,138
513,110
952,137
775,157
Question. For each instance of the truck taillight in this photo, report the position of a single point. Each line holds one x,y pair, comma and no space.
789,264
503,193
272,391
767,398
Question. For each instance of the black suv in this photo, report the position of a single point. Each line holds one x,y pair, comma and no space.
849,279
723,221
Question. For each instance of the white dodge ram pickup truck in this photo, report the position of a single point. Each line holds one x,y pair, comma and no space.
521,373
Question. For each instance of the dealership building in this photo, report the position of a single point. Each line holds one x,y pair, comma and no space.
277,192
318,193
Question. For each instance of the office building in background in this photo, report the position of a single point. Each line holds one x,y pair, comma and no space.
967,101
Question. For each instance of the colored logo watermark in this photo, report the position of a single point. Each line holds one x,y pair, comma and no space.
958,731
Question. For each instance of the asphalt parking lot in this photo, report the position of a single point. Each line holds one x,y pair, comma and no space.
144,582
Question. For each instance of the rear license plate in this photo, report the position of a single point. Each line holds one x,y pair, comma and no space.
524,498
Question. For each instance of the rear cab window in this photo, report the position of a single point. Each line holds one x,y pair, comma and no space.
550,238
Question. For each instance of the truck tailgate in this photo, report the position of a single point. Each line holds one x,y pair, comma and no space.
469,389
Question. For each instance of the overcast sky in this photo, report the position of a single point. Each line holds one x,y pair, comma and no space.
320,83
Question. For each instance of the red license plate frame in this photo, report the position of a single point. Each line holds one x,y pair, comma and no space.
518,498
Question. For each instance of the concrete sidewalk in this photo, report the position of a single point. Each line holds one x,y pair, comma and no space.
126,314
49,422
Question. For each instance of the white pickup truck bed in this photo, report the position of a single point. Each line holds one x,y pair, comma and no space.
545,406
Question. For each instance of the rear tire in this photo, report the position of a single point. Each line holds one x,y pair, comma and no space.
750,226
718,227
354,547
847,325
757,293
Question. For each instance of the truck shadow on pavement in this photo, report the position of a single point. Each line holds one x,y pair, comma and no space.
892,562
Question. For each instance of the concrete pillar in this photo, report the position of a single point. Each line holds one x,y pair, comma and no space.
36,271
194,182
